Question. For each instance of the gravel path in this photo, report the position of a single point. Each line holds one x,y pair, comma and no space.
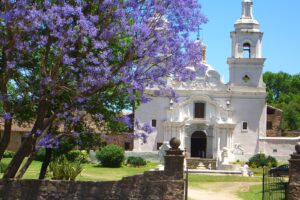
219,191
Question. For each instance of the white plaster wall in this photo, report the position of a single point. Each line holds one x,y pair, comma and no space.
185,110
283,145
155,109
253,39
252,111
252,69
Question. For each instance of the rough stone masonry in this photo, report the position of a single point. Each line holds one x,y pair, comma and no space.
294,176
152,185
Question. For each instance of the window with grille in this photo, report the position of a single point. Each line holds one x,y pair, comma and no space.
244,126
199,110
153,123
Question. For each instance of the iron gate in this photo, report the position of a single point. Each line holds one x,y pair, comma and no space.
186,181
274,188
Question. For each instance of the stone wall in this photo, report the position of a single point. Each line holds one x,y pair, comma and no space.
294,176
152,185
278,147
274,118
120,140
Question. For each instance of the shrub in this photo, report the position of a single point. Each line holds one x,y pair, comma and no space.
261,160
77,155
8,154
111,156
3,167
62,169
136,161
271,161
40,155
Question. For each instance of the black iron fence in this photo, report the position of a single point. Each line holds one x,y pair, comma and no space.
186,185
274,188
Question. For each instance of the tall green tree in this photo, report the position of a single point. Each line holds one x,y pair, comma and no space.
284,93
59,56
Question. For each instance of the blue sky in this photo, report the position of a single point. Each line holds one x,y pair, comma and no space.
279,20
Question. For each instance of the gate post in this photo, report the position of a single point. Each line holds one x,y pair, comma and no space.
174,160
294,175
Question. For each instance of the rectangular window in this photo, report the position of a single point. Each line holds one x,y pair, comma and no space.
199,111
153,123
127,145
269,125
158,145
244,126
270,111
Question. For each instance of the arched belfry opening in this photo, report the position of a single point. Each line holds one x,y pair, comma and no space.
246,50
198,144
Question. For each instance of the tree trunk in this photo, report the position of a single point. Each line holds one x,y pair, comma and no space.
6,103
6,137
45,164
27,146
25,167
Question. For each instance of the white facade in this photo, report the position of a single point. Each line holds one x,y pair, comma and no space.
234,113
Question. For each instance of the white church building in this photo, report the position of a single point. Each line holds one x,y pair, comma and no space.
212,118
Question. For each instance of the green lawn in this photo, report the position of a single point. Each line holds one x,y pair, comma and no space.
254,193
257,171
95,173
31,173
216,183
92,172
199,180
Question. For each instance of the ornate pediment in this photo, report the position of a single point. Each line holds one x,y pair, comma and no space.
209,81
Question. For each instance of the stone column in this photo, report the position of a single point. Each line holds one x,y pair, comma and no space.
174,160
294,180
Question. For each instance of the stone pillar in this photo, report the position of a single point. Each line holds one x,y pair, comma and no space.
294,180
174,160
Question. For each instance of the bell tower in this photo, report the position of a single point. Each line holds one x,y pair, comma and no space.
246,61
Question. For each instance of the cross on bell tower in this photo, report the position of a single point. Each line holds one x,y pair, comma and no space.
247,9
246,62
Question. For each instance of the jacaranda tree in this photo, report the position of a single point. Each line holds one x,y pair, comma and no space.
56,56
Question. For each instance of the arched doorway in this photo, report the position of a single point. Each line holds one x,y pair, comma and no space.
198,144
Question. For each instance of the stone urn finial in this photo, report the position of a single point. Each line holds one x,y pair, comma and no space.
297,147
174,143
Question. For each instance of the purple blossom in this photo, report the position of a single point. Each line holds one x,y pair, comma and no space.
74,118
38,132
99,116
75,134
7,116
144,138
137,125
145,99
126,120
11,64
80,99
46,80
130,136
93,54
109,139
49,142
147,128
